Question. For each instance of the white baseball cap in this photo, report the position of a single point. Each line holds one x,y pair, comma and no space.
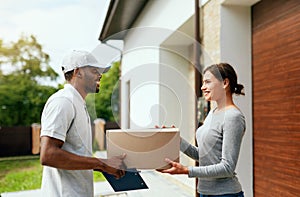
77,59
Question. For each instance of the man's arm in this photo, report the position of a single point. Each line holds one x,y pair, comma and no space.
52,155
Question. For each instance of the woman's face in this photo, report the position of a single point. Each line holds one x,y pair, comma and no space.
212,88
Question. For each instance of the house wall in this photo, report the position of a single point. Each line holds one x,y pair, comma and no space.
149,98
177,95
142,57
171,14
227,38
139,90
161,76
235,48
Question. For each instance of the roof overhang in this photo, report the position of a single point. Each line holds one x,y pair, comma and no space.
120,16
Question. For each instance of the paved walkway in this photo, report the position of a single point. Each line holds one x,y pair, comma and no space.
160,185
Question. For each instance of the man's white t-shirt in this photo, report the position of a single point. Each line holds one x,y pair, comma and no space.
65,117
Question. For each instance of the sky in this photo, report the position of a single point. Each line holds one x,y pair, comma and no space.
59,25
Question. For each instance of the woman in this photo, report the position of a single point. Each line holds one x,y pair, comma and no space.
219,138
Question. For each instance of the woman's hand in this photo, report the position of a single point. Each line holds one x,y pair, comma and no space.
176,168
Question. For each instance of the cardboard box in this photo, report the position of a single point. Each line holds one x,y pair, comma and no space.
145,148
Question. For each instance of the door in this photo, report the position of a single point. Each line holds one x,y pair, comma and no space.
276,97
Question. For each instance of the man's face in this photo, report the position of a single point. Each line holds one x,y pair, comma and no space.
91,77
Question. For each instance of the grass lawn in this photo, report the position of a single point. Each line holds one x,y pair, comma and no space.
24,173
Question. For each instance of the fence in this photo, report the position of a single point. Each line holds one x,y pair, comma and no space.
15,141
25,140
100,131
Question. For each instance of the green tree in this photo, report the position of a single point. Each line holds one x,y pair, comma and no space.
105,104
22,65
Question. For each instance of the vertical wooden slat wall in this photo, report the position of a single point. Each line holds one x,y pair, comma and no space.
276,97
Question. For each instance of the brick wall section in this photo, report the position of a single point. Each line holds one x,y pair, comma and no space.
211,29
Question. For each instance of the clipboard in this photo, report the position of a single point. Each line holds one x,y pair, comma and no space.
132,180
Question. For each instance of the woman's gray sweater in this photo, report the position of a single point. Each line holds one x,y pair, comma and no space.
219,140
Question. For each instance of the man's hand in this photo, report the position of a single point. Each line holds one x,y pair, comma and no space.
114,165
176,168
